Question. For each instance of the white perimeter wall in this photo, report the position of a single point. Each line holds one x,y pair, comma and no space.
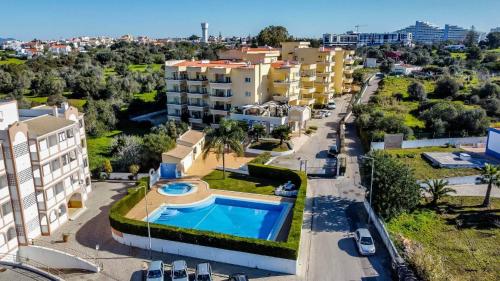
494,141
210,253
55,258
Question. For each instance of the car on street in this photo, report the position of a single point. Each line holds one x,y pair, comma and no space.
155,271
331,105
333,151
364,241
326,113
238,277
179,271
318,115
203,272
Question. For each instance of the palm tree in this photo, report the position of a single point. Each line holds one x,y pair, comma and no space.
258,131
437,189
490,174
228,136
282,132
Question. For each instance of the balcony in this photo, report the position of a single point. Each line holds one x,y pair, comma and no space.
197,82
285,97
220,97
176,92
306,101
197,95
219,111
196,120
348,80
220,84
311,66
284,82
197,106
348,71
308,78
306,91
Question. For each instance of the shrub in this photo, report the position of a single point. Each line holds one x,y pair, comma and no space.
262,158
313,128
309,131
288,249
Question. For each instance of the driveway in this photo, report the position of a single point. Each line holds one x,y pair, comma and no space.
337,208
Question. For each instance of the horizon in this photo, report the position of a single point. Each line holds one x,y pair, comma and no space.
51,21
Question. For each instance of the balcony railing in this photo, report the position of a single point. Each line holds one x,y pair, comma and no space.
220,80
220,107
176,102
221,95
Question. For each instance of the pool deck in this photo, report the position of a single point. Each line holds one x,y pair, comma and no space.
156,200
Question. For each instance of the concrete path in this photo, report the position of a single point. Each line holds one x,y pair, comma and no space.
336,210
475,190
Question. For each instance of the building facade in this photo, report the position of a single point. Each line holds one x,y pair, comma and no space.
366,39
44,173
427,33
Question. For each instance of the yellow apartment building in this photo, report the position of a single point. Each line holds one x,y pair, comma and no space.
324,71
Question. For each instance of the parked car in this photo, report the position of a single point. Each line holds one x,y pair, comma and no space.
155,271
364,241
326,113
203,272
333,151
179,271
331,105
318,115
238,277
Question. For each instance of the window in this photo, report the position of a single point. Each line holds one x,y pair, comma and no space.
85,162
59,188
6,208
55,165
62,136
46,169
11,234
248,79
3,181
65,159
52,140
248,94
43,144
69,133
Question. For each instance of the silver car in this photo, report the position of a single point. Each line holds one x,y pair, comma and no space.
203,272
179,271
155,271
364,241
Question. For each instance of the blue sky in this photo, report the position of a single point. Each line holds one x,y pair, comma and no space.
53,19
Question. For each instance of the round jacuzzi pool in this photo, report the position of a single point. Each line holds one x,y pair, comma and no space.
177,189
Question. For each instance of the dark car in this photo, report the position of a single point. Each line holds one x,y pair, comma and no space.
238,277
333,151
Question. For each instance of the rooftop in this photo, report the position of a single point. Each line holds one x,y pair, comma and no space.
216,63
46,124
180,151
192,137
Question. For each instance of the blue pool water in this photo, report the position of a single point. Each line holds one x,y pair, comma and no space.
176,188
251,219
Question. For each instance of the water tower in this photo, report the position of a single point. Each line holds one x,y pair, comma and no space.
204,32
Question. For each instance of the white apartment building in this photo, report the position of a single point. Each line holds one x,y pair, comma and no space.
44,173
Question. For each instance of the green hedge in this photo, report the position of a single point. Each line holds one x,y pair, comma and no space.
288,249
261,158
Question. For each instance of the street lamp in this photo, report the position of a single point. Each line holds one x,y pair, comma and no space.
371,182
147,217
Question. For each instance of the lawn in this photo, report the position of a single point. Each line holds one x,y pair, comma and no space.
99,148
241,183
12,61
422,168
146,97
143,67
458,55
78,103
463,236
270,146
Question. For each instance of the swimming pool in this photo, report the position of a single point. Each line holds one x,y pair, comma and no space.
229,215
177,189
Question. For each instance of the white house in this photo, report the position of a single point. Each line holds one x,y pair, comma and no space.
370,62
60,49
189,147
404,69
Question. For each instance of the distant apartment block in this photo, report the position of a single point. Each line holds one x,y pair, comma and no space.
495,29
427,33
366,39
44,173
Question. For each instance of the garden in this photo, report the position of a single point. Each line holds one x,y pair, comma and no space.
254,183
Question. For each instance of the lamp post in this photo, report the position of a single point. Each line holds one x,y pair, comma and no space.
147,217
371,182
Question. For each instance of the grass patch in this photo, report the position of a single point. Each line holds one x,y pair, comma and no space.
270,146
423,169
12,61
458,55
142,67
469,251
146,97
99,148
241,183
